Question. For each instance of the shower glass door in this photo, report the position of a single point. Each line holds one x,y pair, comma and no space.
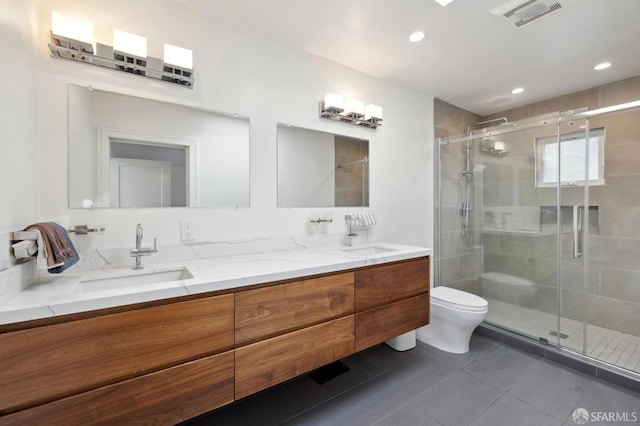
511,225
578,151
529,218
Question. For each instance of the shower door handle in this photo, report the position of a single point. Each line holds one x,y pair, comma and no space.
578,220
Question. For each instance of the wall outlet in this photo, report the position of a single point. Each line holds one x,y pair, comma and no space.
186,230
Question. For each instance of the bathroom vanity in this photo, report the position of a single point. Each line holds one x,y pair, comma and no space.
167,360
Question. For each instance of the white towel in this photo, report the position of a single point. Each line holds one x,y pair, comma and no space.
24,249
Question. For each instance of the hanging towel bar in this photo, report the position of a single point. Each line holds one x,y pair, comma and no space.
31,235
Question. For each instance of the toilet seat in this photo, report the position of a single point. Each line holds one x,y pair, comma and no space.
457,299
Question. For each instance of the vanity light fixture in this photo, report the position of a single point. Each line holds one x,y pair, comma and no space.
353,108
73,33
131,51
73,39
131,44
351,111
178,56
372,112
178,63
334,103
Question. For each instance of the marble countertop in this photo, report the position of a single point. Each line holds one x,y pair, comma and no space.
68,293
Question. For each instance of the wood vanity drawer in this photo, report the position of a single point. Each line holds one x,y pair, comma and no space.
388,283
164,397
46,363
379,324
269,362
269,311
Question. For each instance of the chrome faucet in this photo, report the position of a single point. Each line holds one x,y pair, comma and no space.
351,223
350,235
139,251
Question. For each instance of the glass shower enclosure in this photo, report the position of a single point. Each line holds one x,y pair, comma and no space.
541,217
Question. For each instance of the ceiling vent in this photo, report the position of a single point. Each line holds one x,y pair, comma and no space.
522,12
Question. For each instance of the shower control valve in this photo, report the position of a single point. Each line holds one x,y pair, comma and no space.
465,209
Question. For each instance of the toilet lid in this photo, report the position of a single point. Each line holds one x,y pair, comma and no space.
458,299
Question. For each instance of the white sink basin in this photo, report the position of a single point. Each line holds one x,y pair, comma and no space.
363,251
134,279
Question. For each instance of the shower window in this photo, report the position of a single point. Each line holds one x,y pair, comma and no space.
572,158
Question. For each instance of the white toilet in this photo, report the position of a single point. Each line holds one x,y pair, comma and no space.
454,316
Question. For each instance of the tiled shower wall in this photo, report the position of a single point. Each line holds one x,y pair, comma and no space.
455,264
614,245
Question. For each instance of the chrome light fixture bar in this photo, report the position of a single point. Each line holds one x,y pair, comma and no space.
351,111
129,56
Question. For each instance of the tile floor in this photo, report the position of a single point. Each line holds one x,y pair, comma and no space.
492,385
611,346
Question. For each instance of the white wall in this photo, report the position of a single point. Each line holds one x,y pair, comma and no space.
18,121
236,71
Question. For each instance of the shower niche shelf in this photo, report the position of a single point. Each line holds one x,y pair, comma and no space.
549,216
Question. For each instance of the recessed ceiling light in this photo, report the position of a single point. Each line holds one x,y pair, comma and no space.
416,36
517,90
443,2
602,66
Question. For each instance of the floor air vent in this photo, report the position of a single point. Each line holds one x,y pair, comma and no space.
521,13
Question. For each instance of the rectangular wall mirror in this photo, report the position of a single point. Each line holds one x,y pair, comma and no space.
126,151
318,169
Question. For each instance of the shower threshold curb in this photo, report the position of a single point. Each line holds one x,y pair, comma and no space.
592,367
